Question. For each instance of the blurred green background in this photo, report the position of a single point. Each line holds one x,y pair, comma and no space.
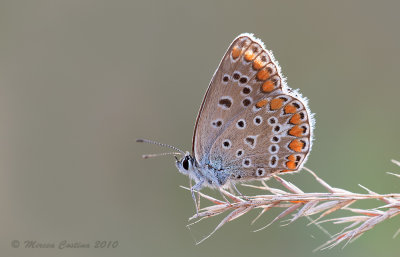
81,80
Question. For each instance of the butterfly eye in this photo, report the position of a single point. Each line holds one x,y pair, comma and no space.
185,163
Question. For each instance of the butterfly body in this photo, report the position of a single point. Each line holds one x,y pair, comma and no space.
205,175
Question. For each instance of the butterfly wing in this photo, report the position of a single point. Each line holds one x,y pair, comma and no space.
245,74
273,137
250,122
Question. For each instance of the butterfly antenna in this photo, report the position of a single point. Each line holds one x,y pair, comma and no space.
160,144
146,156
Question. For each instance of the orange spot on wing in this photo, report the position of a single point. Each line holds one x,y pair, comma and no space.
291,165
292,157
276,103
263,74
296,145
249,55
292,171
236,52
258,64
296,131
296,119
290,108
268,86
261,103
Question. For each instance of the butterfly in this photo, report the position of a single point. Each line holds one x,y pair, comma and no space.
250,124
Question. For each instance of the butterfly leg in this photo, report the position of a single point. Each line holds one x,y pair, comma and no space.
194,188
198,201
198,195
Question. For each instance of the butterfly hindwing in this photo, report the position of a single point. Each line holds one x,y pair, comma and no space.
274,137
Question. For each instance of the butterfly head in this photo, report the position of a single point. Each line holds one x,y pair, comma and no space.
186,165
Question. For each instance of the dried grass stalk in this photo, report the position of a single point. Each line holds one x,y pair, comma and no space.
294,201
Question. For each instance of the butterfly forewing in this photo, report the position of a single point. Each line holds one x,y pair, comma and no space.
250,123
245,75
